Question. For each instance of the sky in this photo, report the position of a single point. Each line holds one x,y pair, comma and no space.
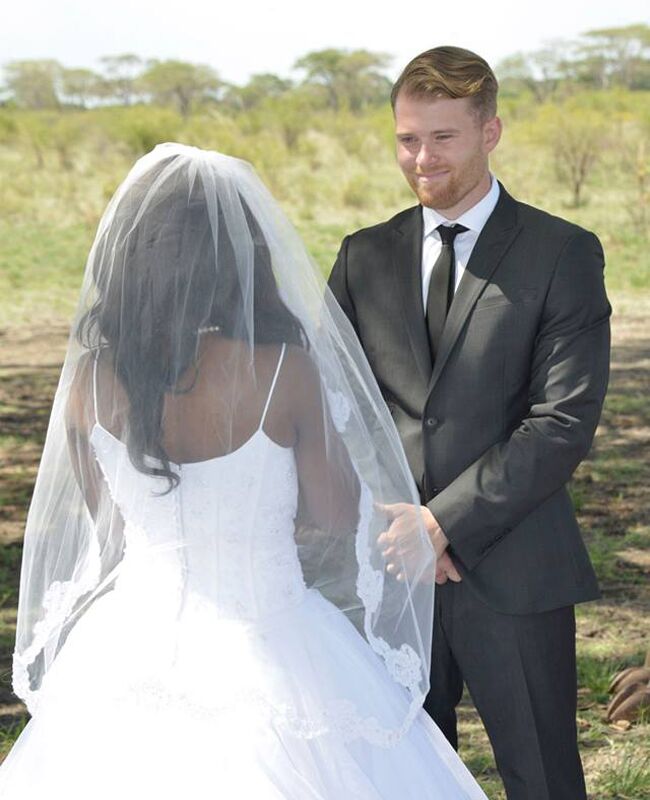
242,37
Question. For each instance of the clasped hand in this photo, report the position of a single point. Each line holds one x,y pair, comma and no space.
400,543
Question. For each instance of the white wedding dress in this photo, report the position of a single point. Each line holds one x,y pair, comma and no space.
149,701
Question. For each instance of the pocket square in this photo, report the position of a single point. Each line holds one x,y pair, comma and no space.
494,296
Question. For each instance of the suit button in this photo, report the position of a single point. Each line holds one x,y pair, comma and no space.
432,422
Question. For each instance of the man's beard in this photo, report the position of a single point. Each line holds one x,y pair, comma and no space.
440,197
455,188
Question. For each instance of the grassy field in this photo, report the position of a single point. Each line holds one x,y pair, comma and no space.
328,187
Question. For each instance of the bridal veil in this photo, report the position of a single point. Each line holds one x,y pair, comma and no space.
192,245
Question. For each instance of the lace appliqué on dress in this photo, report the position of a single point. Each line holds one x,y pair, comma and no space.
339,409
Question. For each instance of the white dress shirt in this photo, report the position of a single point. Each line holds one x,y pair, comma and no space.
473,219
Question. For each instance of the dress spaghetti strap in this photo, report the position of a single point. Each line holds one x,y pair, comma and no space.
275,378
95,360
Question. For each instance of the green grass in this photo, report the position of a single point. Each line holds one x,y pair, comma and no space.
10,557
625,777
595,674
41,267
604,550
9,733
627,404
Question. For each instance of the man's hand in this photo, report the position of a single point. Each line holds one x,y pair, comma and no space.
400,542
435,532
446,571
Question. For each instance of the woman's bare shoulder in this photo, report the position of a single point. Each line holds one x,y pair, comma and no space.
300,363
302,382
77,407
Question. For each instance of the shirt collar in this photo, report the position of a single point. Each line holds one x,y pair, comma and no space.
474,218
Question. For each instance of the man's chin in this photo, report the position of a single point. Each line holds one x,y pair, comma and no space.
437,200
440,198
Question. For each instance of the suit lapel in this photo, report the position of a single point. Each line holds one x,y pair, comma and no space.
493,242
407,273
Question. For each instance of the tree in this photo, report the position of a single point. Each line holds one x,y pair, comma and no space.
599,59
540,72
259,88
619,56
635,163
80,86
588,67
180,84
351,79
33,84
626,53
122,75
577,138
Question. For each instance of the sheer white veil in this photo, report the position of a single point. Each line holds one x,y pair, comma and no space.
193,244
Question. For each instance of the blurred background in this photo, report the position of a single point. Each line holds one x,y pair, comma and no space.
83,93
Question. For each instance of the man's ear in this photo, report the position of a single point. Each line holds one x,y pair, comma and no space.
492,130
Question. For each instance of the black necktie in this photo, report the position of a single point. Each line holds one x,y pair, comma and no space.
441,287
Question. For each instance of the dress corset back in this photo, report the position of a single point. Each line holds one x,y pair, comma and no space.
224,534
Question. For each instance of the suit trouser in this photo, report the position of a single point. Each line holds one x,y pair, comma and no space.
520,671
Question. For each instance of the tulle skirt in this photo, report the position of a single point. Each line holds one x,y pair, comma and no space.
113,722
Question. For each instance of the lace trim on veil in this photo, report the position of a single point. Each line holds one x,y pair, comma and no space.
343,718
403,664
58,606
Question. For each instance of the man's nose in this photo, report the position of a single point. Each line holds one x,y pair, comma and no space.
426,156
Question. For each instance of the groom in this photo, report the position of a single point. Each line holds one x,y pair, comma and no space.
486,324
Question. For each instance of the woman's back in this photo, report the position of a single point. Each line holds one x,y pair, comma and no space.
227,526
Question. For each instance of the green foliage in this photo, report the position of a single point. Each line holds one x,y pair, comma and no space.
355,193
600,59
179,84
626,776
80,86
33,131
351,79
595,674
120,79
332,171
539,72
8,127
577,140
289,115
10,558
259,88
9,734
33,83
333,78
141,128
618,56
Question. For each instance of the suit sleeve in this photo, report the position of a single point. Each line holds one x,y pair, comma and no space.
568,381
338,283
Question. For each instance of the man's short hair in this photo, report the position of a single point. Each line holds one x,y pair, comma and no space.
450,72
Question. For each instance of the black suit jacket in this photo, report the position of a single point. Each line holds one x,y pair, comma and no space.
495,428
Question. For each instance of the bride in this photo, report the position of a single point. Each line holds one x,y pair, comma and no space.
205,609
